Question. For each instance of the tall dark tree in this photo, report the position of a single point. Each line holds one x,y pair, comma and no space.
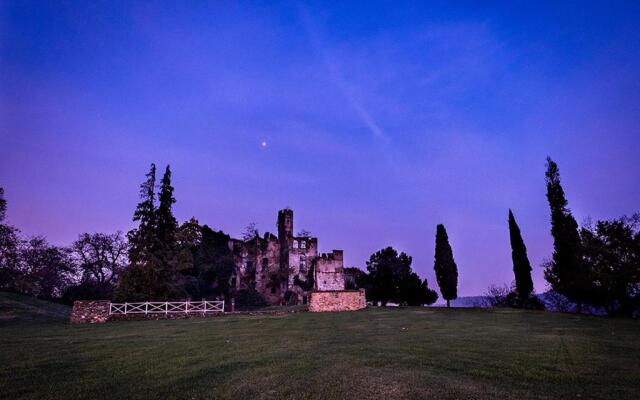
445,266
143,280
159,268
166,222
521,264
565,272
10,244
143,239
3,206
167,251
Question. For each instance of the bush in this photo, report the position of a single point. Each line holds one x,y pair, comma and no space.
247,299
504,296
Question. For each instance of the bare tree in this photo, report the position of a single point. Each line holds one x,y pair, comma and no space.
250,231
100,257
45,270
497,296
304,233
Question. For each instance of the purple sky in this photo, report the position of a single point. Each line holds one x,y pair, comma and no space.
381,120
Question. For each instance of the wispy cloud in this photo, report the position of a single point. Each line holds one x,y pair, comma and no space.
337,78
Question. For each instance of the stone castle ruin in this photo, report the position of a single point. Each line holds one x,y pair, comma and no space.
285,268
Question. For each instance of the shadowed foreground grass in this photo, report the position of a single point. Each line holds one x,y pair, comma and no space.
376,353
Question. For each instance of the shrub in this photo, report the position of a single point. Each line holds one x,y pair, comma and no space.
249,299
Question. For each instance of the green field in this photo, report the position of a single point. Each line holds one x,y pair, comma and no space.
376,353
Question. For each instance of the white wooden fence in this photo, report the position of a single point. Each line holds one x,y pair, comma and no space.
168,307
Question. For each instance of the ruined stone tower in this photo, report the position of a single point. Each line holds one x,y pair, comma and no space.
285,233
282,268
285,224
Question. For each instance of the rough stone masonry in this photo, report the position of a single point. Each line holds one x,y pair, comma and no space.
337,300
279,267
90,312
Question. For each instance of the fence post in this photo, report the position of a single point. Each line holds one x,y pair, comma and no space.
204,311
186,307
146,308
125,308
166,307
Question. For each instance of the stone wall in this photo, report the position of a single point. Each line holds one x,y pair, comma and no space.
329,271
337,300
90,312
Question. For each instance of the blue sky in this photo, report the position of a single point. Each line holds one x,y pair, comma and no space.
381,119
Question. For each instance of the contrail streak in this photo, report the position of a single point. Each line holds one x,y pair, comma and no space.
336,77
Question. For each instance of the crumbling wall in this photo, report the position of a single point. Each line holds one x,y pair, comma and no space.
302,254
268,262
272,264
338,300
256,260
329,271
90,312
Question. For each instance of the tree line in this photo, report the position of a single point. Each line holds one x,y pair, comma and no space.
158,260
595,266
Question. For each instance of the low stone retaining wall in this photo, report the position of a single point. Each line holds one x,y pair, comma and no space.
97,311
90,312
337,300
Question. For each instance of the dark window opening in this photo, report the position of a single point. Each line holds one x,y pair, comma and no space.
265,264
303,263
273,290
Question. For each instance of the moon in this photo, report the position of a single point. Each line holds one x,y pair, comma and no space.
263,143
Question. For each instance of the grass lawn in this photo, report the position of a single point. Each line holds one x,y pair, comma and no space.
375,353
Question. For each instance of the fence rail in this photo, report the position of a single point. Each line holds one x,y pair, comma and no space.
168,307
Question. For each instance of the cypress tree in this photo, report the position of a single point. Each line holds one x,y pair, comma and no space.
521,264
565,272
445,266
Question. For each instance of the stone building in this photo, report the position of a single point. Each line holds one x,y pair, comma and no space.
285,268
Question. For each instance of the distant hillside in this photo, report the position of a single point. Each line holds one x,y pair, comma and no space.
551,302
16,307
464,302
